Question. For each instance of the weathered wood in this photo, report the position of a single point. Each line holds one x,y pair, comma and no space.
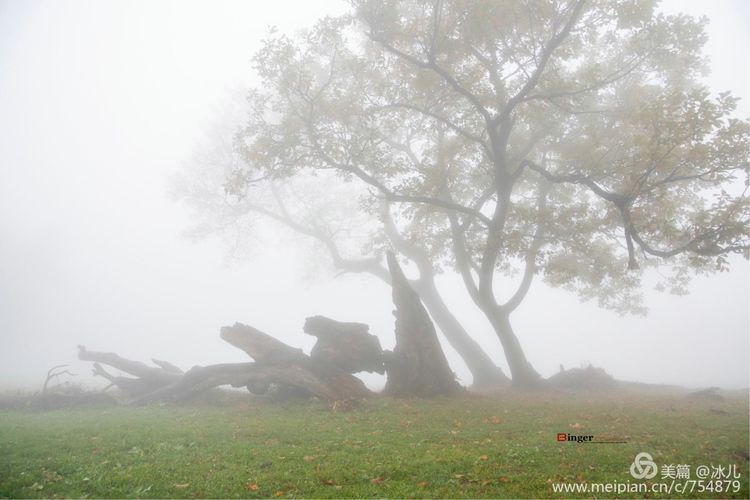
148,378
141,370
286,365
131,387
200,379
166,366
259,345
348,346
417,366
276,363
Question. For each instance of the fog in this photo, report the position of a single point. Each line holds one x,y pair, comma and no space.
101,103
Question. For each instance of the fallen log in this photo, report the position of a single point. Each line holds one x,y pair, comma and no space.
416,367
276,363
199,379
147,378
259,345
348,346
141,370
131,387
166,366
281,364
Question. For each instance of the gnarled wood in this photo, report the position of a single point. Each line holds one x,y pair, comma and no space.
130,386
281,364
166,366
155,374
417,365
348,346
259,345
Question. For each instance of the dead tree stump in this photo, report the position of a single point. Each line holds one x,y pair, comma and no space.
348,346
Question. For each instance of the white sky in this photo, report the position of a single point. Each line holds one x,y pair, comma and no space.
101,100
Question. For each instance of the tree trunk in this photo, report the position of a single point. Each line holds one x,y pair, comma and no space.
484,372
523,375
417,365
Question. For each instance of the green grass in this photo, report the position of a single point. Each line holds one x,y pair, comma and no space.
500,446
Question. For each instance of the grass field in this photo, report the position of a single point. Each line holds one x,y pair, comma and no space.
499,446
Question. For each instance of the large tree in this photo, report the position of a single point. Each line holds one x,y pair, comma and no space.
568,139
230,200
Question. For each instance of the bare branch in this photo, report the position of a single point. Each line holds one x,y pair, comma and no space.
51,374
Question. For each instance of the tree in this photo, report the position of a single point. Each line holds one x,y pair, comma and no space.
567,139
227,199
416,367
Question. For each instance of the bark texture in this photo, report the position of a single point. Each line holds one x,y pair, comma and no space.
417,365
348,346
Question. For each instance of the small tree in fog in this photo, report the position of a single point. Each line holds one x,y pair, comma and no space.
567,139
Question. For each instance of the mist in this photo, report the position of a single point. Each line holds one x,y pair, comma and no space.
103,103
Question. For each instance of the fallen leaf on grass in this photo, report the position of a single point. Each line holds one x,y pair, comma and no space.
279,494
251,486
376,480
181,486
483,458
423,484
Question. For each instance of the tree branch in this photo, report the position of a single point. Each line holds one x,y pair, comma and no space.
460,131
387,193
530,260
432,65
549,48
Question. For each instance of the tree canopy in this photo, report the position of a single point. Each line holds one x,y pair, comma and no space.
573,140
